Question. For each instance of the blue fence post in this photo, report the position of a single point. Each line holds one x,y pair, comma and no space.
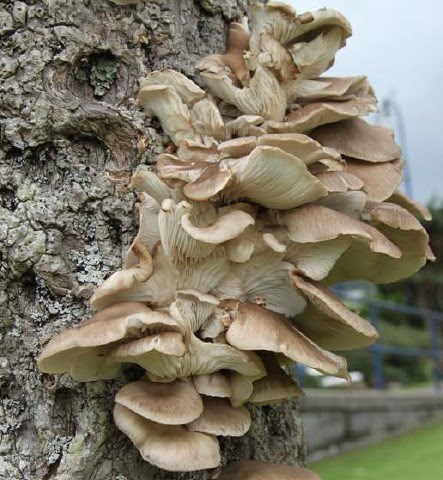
434,332
377,354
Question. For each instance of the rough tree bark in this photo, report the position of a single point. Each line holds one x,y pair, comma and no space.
71,133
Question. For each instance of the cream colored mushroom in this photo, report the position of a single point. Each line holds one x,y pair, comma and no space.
171,447
212,385
328,322
220,418
83,350
255,328
174,403
275,386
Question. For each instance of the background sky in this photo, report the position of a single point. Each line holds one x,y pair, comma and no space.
398,45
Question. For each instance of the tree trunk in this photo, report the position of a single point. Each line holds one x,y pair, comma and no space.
71,134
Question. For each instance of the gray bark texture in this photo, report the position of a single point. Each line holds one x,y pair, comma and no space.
71,134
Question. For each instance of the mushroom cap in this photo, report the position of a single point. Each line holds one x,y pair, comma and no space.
327,320
275,386
256,328
212,385
83,350
220,418
257,470
171,447
360,140
174,403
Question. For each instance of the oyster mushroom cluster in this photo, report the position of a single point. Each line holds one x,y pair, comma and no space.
274,188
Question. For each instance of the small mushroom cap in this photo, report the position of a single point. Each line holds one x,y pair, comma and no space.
417,209
257,470
327,320
83,350
220,418
358,139
380,180
174,403
212,385
275,386
256,328
171,447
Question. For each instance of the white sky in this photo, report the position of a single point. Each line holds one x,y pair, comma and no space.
398,45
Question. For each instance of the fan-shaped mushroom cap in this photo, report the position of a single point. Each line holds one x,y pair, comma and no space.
144,180
417,209
360,140
241,388
164,102
328,322
255,328
207,120
257,470
174,403
237,147
316,223
220,418
125,279
186,89
315,260
212,385
273,178
83,350
321,113
340,181
304,90
275,386
171,447
380,180
402,229
245,126
301,146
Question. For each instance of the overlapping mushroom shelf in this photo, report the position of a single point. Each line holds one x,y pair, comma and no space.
275,188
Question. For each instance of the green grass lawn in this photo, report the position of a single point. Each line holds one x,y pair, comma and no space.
413,456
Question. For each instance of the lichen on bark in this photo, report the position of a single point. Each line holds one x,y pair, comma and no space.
71,134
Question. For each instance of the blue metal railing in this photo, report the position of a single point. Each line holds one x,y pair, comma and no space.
434,352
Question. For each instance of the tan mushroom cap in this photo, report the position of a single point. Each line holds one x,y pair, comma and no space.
237,147
321,113
256,328
358,139
83,350
380,180
163,102
170,447
275,386
212,181
125,279
241,388
174,403
328,322
403,230
220,418
144,180
305,90
316,223
315,260
340,181
301,146
212,385
258,470
417,209
226,227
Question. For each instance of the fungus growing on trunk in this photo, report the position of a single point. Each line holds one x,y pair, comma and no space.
274,189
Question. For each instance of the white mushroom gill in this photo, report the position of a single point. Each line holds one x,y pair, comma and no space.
275,188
